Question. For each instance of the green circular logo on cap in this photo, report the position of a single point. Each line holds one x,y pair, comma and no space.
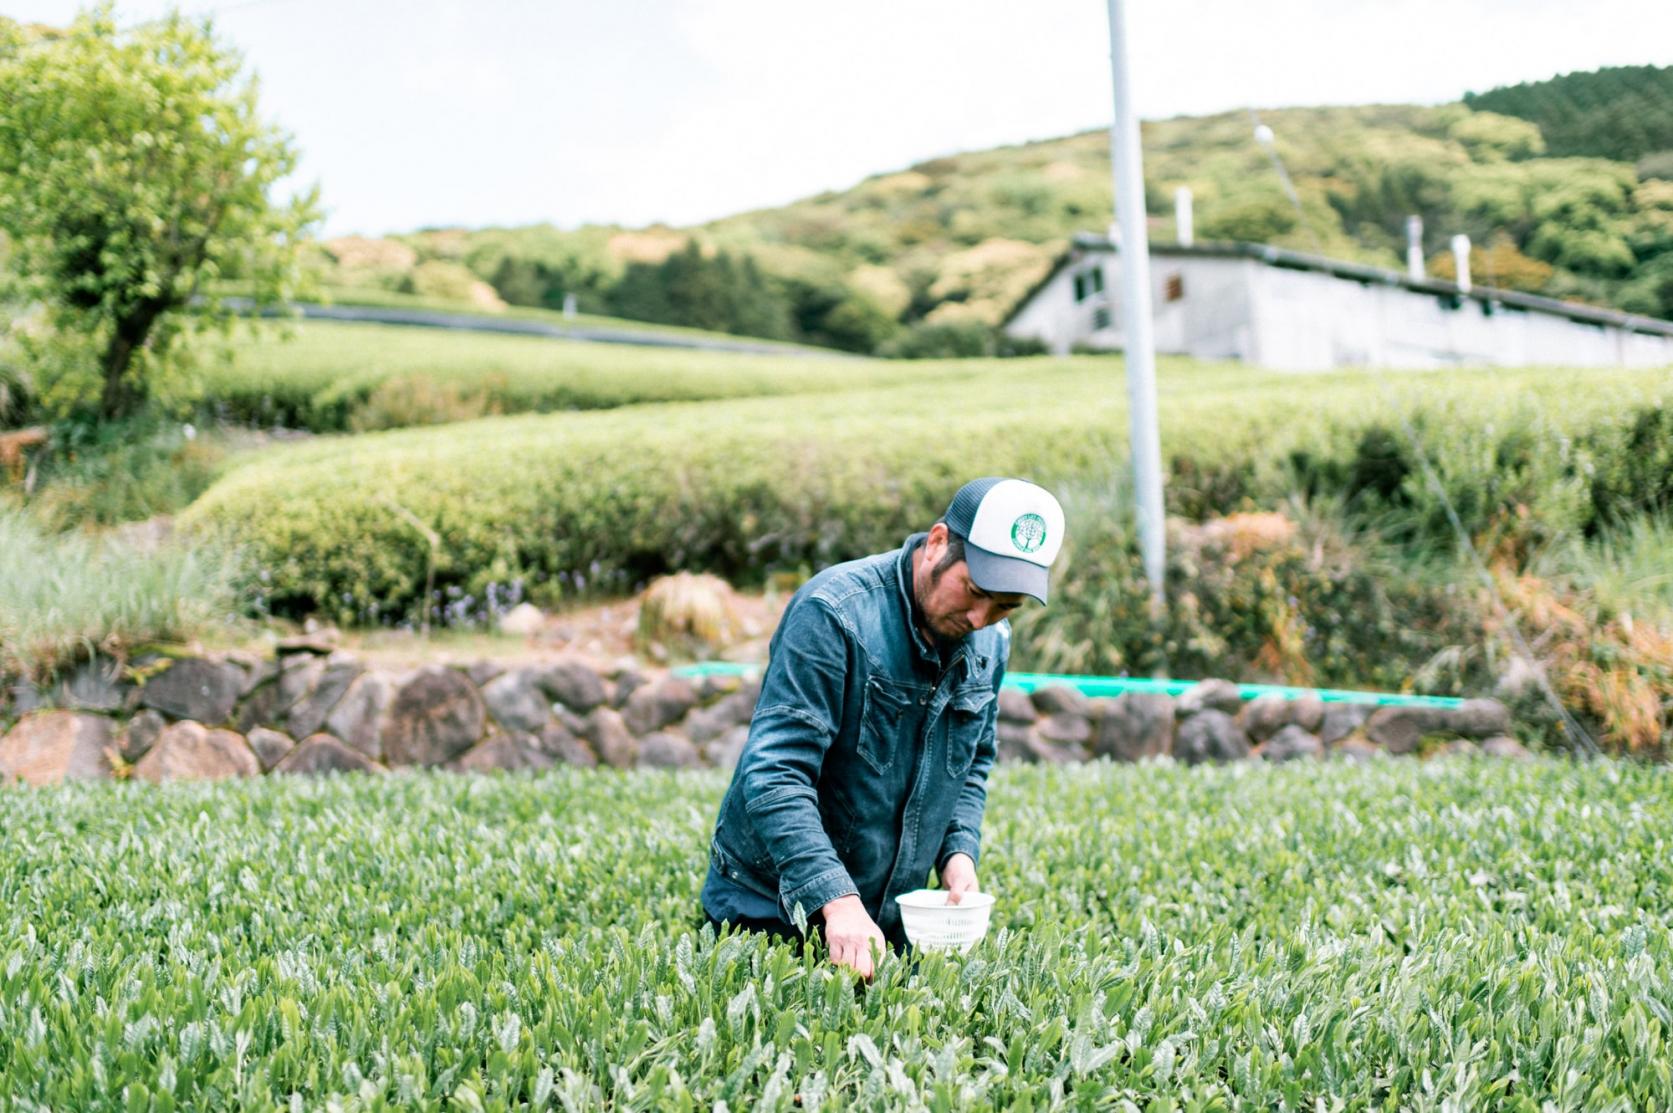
1028,533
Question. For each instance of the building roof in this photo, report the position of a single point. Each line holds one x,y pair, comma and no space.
1088,242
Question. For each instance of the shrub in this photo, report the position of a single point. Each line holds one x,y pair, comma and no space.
856,324
964,340
439,279
126,471
422,400
1312,602
16,393
687,614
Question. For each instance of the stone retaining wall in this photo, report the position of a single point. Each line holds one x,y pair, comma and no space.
312,710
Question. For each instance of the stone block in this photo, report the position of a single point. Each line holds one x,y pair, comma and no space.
1016,707
437,715
1355,747
1265,716
362,715
505,752
611,739
189,751
49,747
1134,725
1210,736
1056,699
627,682
517,702
194,688
572,684
1342,719
1065,728
322,754
664,750
270,746
309,713
1209,695
658,705
1399,729
1479,718
140,734
1292,742
723,752
1011,740
565,746
1041,748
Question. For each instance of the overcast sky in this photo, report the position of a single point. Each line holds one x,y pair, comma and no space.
497,112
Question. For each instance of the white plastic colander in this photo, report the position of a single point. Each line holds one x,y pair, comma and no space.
934,925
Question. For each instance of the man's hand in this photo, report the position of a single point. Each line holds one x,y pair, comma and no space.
850,933
958,877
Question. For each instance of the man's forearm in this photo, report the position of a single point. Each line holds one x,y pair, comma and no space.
810,873
964,830
783,807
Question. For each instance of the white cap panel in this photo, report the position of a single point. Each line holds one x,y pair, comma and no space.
1019,520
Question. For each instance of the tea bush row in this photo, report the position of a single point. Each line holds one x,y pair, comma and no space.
332,377
1399,935
561,504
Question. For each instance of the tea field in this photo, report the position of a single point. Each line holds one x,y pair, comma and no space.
563,503
330,377
1399,935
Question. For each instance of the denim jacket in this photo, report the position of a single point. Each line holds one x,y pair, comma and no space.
867,758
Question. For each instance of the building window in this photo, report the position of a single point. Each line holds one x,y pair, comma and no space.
1100,318
1089,282
1174,288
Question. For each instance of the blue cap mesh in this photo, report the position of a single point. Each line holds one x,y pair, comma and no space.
961,512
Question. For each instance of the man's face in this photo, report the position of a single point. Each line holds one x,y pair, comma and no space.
952,605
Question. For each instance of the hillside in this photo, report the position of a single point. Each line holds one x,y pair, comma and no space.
903,261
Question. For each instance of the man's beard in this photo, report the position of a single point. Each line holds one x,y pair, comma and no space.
941,637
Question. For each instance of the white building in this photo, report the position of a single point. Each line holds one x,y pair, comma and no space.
1284,309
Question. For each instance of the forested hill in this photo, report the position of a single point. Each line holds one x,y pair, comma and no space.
925,260
1624,112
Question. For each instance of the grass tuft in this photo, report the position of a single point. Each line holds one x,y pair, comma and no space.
65,596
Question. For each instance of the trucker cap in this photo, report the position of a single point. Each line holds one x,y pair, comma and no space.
1012,531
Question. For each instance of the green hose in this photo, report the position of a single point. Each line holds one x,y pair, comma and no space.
1120,685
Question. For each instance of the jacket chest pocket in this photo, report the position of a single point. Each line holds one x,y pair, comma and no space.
967,719
886,717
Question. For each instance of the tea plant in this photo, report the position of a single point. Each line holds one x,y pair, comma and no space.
1400,935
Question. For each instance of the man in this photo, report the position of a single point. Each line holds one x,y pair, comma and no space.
868,755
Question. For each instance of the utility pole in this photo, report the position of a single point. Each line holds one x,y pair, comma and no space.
1136,325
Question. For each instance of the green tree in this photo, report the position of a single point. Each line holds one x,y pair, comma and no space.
703,291
1619,112
135,178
